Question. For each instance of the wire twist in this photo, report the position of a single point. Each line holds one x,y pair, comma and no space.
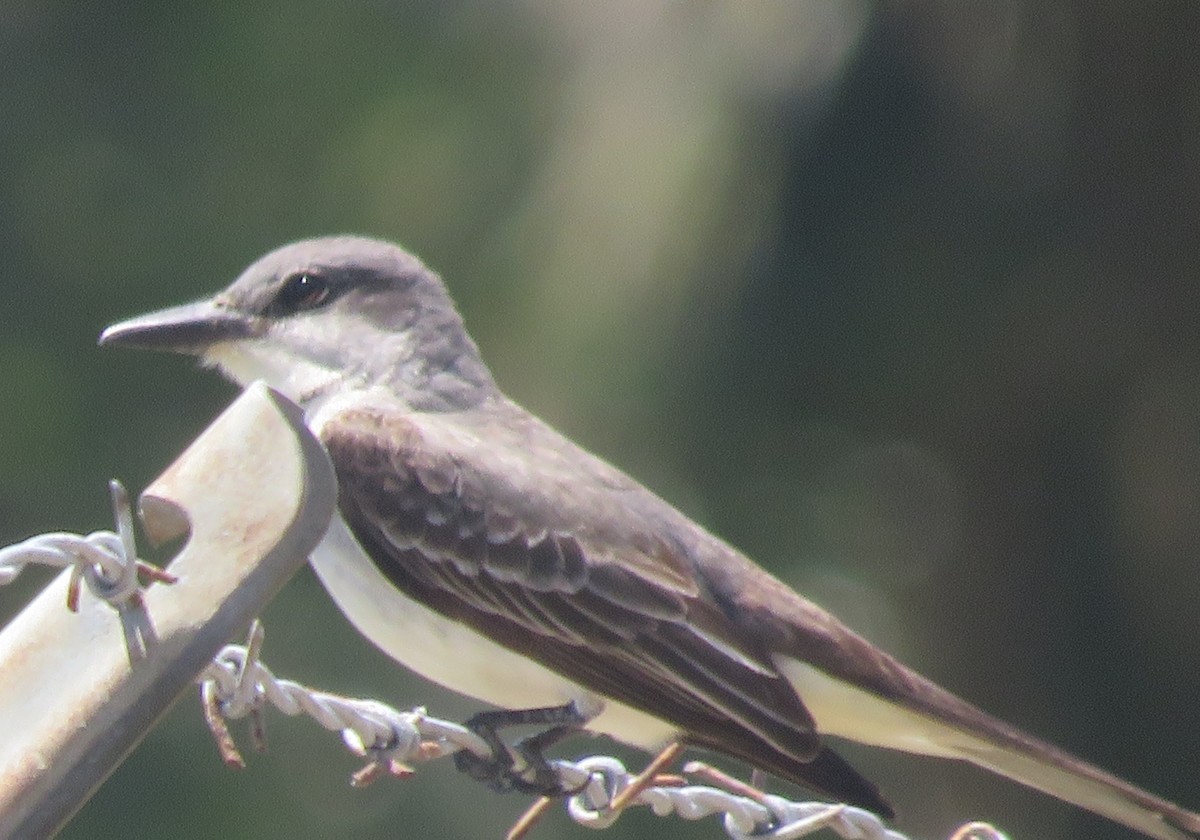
105,561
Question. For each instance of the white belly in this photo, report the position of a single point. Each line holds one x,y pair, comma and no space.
456,656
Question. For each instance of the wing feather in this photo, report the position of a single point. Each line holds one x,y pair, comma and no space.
511,530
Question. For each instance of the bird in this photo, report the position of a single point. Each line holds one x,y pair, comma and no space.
484,550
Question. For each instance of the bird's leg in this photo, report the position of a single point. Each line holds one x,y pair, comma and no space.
497,770
532,749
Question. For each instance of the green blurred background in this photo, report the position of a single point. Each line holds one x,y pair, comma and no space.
900,298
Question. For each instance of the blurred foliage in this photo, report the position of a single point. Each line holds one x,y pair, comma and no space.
900,298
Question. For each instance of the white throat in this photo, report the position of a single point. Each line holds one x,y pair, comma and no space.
250,360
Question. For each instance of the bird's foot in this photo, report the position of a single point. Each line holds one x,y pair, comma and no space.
500,770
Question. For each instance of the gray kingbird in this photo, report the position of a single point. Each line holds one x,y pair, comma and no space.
482,549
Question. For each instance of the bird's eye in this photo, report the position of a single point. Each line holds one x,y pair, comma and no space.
305,290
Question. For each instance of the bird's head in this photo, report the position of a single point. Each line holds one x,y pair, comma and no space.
322,315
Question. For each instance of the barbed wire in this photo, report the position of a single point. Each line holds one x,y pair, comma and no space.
237,684
106,561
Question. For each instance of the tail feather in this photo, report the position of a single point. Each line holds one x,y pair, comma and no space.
1052,771
930,721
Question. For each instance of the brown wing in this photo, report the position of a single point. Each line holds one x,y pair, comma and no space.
494,520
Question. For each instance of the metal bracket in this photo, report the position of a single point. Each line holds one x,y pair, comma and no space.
78,692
